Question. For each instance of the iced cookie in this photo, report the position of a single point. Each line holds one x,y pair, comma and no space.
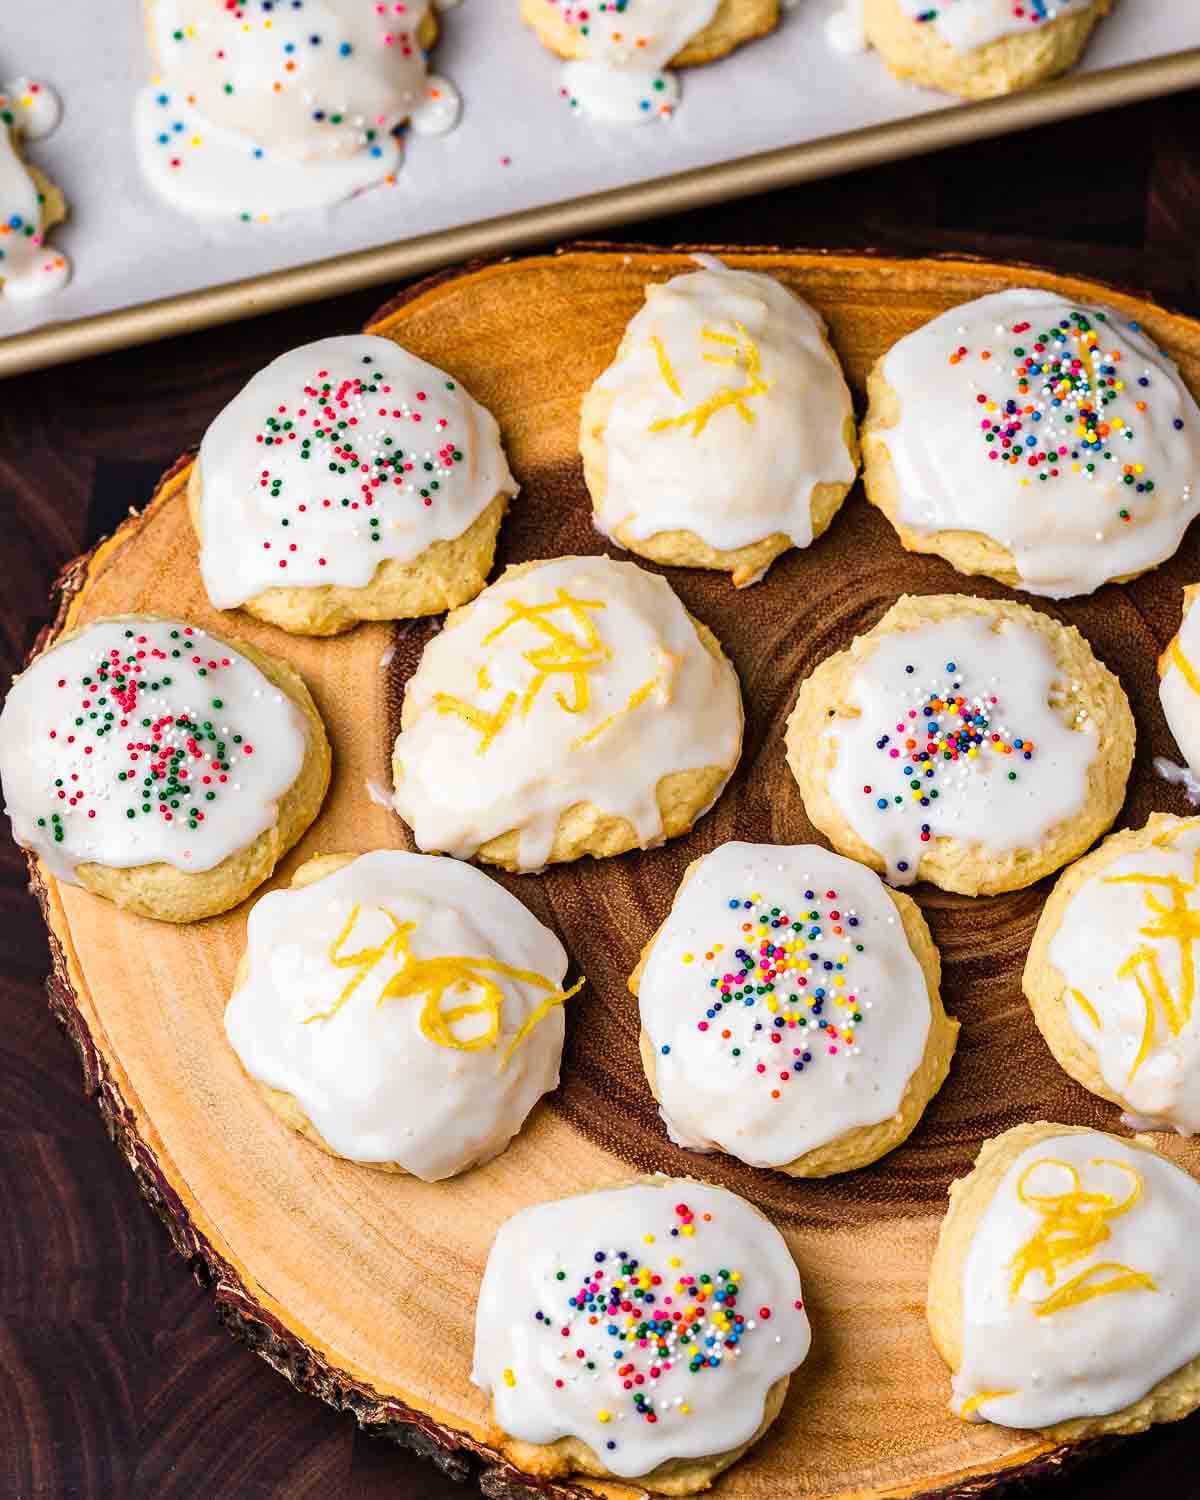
160,766
263,108
1179,682
1062,1293
574,708
349,480
723,433
645,1331
1111,974
973,743
30,205
399,1010
1051,446
790,1011
616,54
981,48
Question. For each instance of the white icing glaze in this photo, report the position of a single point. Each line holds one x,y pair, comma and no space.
1096,1356
728,411
28,266
654,701
439,109
1179,686
120,803
845,30
996,800
1125,951
378,1084
620,79
268,108
303,487
967,24
768,1085
529,1325
955,377
1178,775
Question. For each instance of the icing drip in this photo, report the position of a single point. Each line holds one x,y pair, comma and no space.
336,456
625,46
650,1328
1059,431
439,109
844,28
581,680
1126,947
727,411
262,109
145,740
957,737
782,1002
967,24
28,266
1179,691
1077,1290
357,1003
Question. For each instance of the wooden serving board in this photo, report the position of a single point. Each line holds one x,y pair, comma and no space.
360,1286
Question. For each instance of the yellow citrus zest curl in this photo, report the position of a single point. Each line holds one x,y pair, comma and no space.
743,356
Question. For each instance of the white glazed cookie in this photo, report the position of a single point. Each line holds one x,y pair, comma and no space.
1111,974
616,53
159,765
1179,681
263,108
349,480
790,1010
974,743
723,432
400,1010
1050,445
30,206
645,1331
980,48
1062,1292
574,708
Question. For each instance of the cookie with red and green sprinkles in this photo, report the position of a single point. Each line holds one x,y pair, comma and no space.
159,765
642,1331
1046,442
348,480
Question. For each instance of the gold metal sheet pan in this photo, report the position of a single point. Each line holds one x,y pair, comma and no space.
955,125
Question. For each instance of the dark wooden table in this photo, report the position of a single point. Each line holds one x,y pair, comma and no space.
115,1379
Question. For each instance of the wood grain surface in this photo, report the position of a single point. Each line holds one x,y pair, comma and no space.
118,1381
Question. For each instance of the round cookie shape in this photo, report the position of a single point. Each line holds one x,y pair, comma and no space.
348,480
981,48
399,1010
267,108
1062,1293
644,1331
30,205
1179,681
723,432
615,55
974,743
159,765
1112,973
1047,444
790,1010
574,708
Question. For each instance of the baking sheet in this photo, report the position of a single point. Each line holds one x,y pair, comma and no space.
518,149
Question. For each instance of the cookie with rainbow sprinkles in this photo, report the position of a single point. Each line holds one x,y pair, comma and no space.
160,766
30,204
348,480
645,1331
974,743
1046,443
981,48
790,1010
1062,1294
